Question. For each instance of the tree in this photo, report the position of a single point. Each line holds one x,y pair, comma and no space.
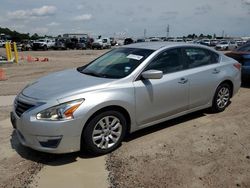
35,36
13,35
201,36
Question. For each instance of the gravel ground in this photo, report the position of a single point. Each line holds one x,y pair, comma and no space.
18,165
197,150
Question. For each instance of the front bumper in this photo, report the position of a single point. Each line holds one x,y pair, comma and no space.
47,136
97,45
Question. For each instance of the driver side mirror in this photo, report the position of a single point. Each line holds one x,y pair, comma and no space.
152,74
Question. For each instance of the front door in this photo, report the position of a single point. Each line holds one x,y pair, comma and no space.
160,98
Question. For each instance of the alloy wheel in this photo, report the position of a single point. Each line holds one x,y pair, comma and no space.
107,132
223,97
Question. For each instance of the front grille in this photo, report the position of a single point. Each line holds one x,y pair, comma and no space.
22,107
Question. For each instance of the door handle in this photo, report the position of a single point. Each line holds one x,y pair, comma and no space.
216,71
183,81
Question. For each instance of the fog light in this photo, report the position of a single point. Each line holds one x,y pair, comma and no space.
49,142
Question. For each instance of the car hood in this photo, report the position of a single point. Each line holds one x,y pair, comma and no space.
63,84
39,42
241,57
222,45
239,52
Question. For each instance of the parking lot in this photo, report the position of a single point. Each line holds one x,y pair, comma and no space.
198,150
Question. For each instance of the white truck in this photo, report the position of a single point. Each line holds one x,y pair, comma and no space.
103,43
43,44
2,43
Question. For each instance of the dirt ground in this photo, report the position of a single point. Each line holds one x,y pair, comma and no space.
197,150
19,165
21,74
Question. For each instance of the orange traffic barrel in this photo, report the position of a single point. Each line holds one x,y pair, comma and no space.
2,75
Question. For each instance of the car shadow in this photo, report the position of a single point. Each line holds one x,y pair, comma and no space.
46,158
62,159
164,125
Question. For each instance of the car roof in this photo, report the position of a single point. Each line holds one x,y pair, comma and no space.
158,45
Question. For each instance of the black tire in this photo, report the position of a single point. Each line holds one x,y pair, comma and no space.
88,142
219,107
45,48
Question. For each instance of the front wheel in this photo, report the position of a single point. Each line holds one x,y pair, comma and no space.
221,98
104,132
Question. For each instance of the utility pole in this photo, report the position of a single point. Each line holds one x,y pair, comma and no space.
223,32
168,29
145,33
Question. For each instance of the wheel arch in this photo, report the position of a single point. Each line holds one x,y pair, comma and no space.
109,108
230,83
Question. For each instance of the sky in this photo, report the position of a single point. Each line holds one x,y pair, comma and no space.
127,17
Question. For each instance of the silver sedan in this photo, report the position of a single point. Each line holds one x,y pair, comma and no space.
124,90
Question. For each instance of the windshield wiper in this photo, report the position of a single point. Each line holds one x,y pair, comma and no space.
92,73
101,75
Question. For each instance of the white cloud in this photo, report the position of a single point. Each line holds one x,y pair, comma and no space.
80,7
40,30
53,24
33,13
83,17
204,9
246,2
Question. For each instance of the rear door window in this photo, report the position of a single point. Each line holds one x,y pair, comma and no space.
197,57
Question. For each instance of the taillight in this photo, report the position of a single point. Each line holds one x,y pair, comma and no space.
237,66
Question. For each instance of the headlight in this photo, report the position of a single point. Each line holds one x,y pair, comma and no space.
61,112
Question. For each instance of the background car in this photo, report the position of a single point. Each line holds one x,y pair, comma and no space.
112,41
226,45
214,42
242,55
81,44
101,43
43,44
128,41
140,40
25,45
2,43
70,43
205,42
60,44
106,43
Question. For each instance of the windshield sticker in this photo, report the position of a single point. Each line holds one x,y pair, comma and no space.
127,69
135,57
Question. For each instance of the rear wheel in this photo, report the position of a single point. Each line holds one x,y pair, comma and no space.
104,132
221,97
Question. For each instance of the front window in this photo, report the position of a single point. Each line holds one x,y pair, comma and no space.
223,42
168,62
117,63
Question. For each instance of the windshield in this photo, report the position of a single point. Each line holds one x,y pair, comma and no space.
117,63
223,42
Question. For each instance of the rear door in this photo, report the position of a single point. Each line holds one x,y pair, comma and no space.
204,75
159,98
